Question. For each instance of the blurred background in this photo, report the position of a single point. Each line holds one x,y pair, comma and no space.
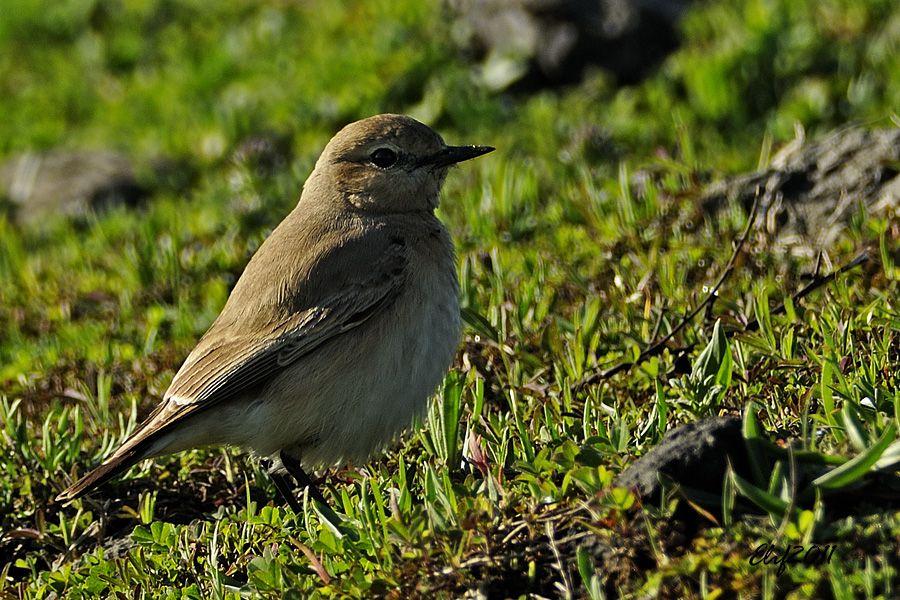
172,88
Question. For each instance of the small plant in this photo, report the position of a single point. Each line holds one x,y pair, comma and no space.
785,480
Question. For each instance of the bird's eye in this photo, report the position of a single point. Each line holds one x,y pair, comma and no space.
383,158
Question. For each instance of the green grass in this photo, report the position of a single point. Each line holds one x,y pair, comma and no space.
566,266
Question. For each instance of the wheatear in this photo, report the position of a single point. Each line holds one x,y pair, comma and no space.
341,326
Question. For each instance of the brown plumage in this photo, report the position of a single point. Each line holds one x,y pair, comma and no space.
342,323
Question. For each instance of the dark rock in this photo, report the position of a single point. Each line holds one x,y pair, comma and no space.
539,43
812,190
696,458
69,183
694,455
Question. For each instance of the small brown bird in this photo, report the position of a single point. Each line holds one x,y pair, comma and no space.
341,326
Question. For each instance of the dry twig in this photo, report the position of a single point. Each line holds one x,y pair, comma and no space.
658,347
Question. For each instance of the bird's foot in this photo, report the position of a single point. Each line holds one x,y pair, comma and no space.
293,466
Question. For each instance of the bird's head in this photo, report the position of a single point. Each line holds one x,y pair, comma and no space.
387,164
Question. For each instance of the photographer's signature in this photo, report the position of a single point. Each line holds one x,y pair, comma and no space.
810,555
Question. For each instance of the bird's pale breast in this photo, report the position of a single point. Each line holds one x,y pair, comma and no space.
358,391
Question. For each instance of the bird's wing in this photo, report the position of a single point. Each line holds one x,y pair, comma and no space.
224,369
341,291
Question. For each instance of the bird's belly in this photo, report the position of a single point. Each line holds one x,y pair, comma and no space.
355,393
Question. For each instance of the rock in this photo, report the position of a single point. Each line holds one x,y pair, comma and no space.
811,190
695,455
540,43
67,182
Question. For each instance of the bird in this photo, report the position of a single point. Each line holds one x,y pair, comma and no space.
339,329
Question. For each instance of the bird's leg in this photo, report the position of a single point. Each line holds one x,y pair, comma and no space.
284,488
282,485
296,470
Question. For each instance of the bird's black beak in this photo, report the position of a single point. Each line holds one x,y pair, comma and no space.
450,155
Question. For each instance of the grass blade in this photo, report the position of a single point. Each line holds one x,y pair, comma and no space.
855,468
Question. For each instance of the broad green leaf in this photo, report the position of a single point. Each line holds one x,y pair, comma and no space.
854,428
855,468
890,458
712,370
771,504
479,324
754,442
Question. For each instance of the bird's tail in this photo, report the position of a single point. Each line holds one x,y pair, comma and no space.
142,444
133,451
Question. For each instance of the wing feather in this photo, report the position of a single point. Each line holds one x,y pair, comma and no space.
223,366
